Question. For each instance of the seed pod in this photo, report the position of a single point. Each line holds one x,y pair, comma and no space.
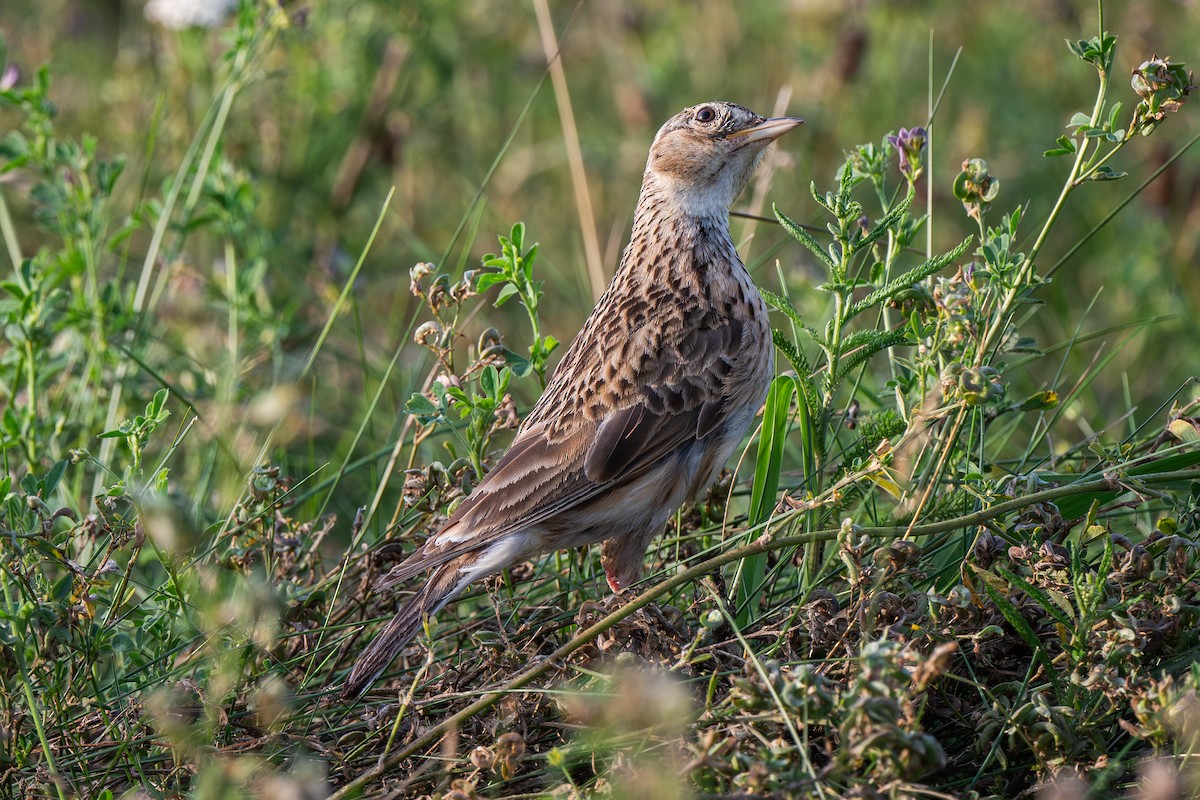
427,334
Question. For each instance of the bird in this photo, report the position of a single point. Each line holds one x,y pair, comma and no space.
650,400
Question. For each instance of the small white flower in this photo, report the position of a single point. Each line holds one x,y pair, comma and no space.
180,14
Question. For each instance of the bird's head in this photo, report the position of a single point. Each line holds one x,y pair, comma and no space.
705,155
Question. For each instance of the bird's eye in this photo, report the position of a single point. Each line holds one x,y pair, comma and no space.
705,114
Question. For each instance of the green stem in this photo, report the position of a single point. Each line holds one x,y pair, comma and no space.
32,399
10,234
833,356
1120,206
35,711
231,293
1022,278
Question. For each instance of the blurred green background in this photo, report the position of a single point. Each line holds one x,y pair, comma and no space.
358,97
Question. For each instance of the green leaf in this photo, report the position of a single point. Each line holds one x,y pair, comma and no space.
1103,570
878,341
799,362
1021,625
48,550
519,364
1112,117
527,261
804,237
155,407
62,588
1066,146
54,476
908,279
791,352
107,173
421,406
488,381
1079,120
782,304
889,220
769,463
506,294
1040,597
770,451
488,280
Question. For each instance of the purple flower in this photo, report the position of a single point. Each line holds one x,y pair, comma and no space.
910,144
9,78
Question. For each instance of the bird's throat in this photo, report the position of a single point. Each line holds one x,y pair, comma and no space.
676,242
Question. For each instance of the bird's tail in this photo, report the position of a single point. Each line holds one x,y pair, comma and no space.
443,584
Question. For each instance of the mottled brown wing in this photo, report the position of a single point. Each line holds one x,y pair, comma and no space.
684,399
538,477
563,461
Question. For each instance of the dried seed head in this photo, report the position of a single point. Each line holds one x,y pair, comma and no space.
490,343
482,758
988,548
428,334
509,749
417,276
901,555
506,414
464,289
1163,87
439,293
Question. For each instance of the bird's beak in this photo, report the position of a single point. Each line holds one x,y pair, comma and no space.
769,130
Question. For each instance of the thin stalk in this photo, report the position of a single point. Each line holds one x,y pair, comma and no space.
1120,206
31,399
232,298
1073,182
552,46
35,709
10,234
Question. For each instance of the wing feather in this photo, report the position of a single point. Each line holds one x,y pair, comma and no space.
677,396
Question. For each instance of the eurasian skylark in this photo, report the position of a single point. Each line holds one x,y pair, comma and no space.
650,400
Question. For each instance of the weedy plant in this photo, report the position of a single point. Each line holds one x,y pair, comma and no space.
915,591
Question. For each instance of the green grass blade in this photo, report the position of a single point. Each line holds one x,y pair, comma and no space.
752,575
